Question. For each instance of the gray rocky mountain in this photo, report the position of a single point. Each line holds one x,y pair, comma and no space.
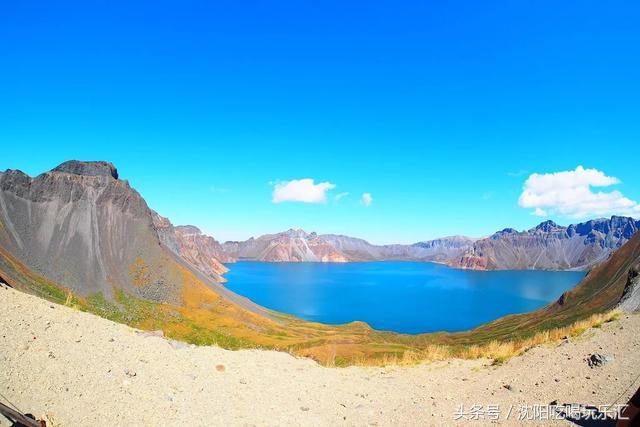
82,228
550,246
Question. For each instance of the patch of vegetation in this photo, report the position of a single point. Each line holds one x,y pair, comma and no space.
98,304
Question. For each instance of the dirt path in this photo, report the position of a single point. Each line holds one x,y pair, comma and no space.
84,370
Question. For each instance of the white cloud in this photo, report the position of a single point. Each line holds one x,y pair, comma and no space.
340,196
570,194
301,190
366,199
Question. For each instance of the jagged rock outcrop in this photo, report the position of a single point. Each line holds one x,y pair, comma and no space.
630,301
550,246
203,252
77,167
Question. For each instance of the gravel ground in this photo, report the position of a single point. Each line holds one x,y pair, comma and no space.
82,370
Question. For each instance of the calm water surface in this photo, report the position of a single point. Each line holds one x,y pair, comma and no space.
409,297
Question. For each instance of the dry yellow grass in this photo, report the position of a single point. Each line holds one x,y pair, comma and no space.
69,300
499,351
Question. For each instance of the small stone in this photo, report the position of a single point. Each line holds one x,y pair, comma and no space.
597,360
130,373
220,368
508,387
304,408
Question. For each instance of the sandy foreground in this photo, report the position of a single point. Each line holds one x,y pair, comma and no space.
82,370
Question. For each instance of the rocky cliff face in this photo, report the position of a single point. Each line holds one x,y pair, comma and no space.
188,242
630,301
550,246
82,227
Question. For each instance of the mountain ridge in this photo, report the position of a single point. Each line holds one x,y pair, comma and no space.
549,246
546,246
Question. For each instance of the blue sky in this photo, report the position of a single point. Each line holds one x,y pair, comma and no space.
439,111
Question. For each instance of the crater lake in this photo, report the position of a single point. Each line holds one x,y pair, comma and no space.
406,297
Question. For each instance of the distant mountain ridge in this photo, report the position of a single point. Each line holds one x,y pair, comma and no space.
300,246
289,246
550,246
438,250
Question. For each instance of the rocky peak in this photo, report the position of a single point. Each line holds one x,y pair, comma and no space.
503,232
620,225
189,230
547,227
293,233
77,167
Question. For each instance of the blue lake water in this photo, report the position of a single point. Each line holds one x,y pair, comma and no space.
408,297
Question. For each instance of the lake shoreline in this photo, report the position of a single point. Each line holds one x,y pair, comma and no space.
405,297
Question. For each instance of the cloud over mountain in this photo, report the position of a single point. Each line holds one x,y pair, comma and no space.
571,194
301,190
